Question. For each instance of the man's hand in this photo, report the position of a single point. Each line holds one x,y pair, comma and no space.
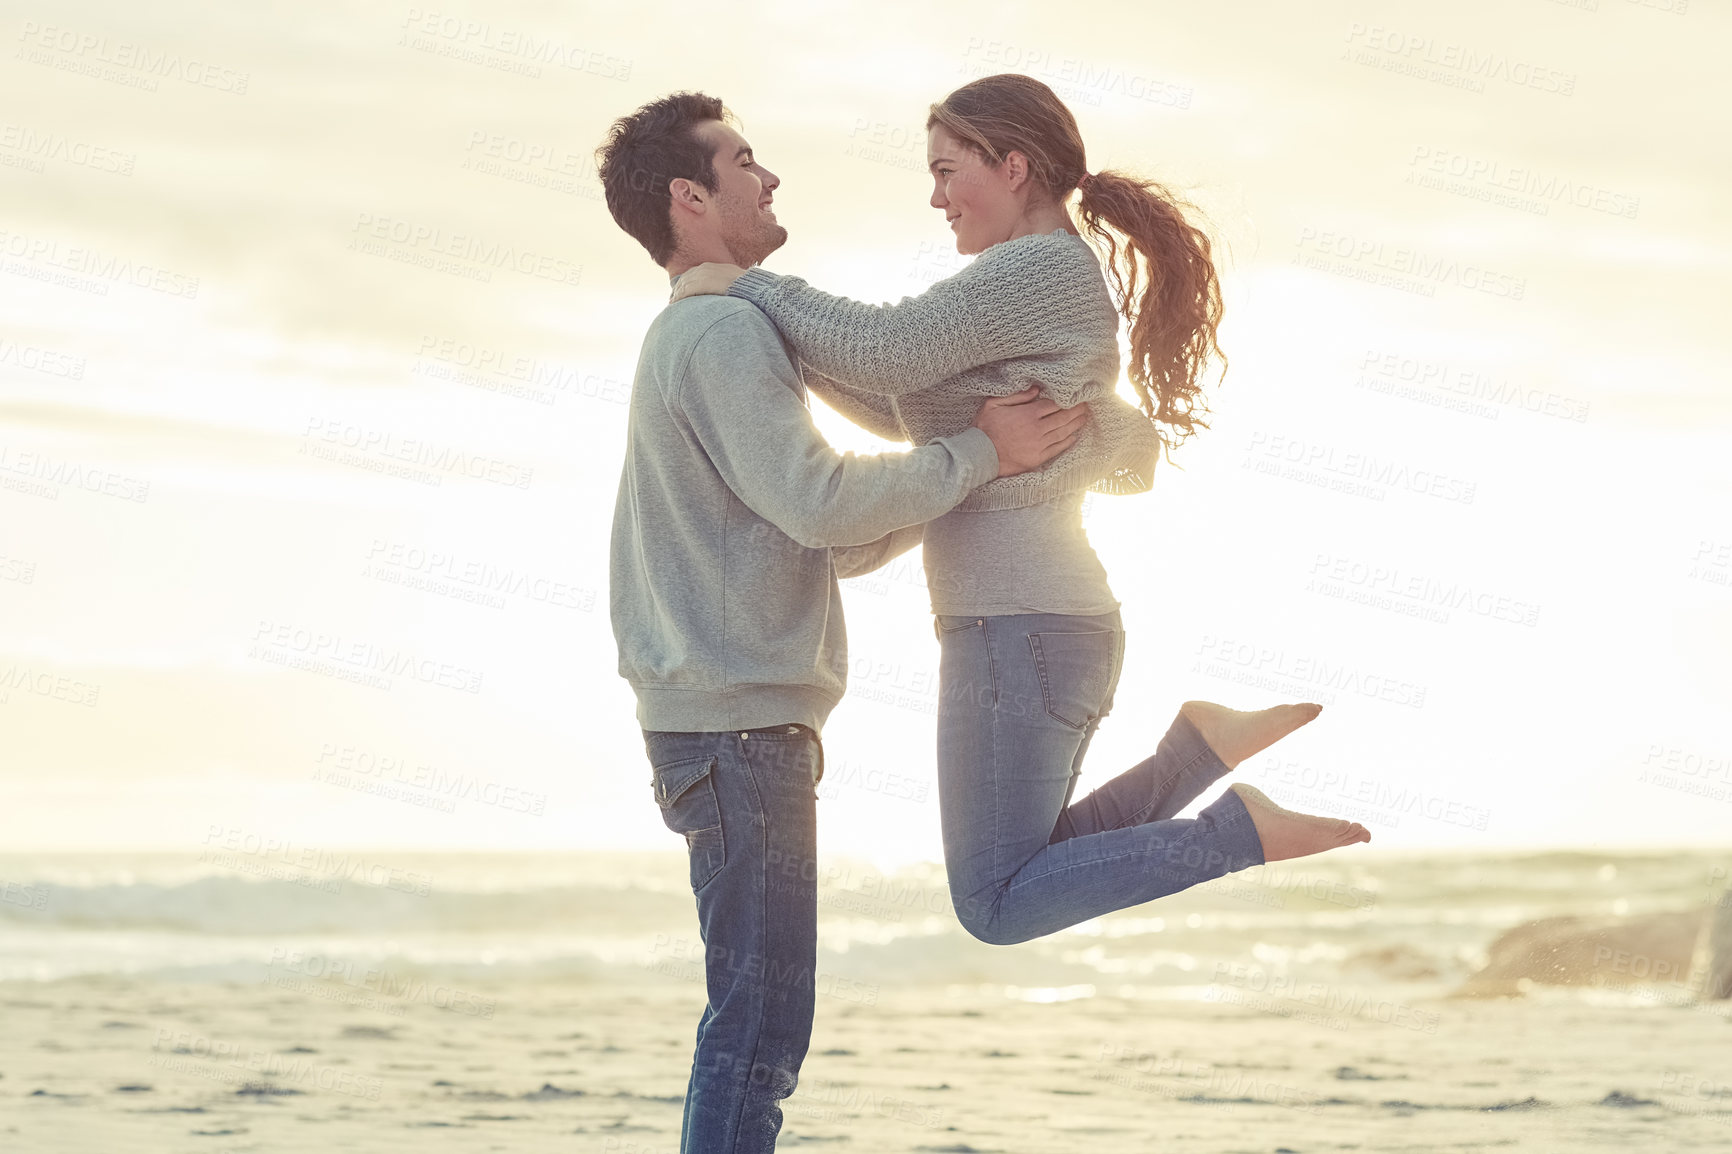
1028,430
709,279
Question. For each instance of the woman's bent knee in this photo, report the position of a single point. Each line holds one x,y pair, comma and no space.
980,917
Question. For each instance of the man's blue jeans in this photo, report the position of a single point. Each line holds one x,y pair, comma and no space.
1019,698
744,801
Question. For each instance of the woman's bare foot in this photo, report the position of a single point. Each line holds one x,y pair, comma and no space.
1286,834
1235,735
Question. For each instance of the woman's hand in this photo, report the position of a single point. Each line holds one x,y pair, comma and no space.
705,280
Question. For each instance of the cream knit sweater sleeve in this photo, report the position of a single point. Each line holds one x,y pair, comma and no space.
1017,299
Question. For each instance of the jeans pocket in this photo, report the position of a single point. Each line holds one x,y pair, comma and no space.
686,793
966,671
1076,673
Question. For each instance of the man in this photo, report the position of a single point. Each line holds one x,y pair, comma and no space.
734,520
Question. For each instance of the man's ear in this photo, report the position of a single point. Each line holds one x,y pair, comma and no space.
688,195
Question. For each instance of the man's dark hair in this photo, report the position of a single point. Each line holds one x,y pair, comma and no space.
647,149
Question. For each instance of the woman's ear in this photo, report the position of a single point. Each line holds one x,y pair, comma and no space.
1015,169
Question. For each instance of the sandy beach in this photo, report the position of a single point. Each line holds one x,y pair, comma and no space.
107,1065
1388,1002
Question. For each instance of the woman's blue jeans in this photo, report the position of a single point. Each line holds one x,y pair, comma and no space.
1019,698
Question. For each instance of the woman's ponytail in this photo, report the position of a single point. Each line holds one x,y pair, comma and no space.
1161,271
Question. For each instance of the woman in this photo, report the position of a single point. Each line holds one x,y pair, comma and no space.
1030,636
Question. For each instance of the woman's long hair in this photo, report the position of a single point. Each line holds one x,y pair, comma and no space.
1157,261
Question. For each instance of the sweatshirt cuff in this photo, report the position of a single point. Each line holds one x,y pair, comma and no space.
753,285
977,453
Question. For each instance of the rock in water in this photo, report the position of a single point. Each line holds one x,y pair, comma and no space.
1649,950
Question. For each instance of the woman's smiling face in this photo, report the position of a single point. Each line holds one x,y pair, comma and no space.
974,196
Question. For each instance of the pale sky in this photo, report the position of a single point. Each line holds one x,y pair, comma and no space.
1476,262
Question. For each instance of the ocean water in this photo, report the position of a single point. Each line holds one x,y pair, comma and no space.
1400,927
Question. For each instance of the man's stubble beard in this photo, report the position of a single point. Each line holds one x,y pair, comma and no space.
759,237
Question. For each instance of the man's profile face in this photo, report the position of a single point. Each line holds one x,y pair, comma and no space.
742,217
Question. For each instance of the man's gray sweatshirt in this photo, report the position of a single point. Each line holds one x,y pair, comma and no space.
734,519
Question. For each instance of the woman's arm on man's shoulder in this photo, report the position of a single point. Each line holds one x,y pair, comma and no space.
1003,305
